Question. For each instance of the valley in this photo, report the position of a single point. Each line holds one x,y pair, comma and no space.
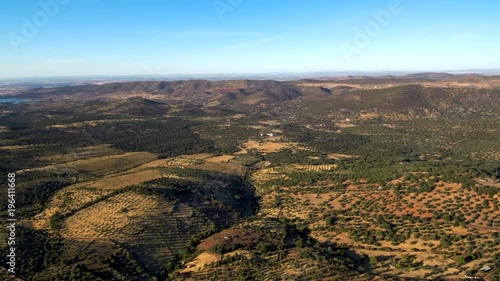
350,178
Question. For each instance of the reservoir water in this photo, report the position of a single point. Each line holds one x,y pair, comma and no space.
14,100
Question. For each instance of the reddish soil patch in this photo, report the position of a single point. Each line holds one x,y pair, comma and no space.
219,238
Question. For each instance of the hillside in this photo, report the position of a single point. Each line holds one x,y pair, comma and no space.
420,95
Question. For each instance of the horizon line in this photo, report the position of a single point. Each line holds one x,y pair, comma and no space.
486,72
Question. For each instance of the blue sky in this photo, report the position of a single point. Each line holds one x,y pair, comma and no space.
119,37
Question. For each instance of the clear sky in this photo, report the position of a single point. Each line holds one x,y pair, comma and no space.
115,37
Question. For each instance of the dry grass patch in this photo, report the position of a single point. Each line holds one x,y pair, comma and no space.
102,165
160,163
220,159
266,147
121,181
200,262
459,230
200,156
338,156
343,125
115,163
368,116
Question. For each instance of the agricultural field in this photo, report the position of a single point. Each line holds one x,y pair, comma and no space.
360,179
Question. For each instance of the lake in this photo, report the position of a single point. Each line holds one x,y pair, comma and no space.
14,100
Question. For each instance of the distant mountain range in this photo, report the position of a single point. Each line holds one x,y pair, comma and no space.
423,94
47,82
